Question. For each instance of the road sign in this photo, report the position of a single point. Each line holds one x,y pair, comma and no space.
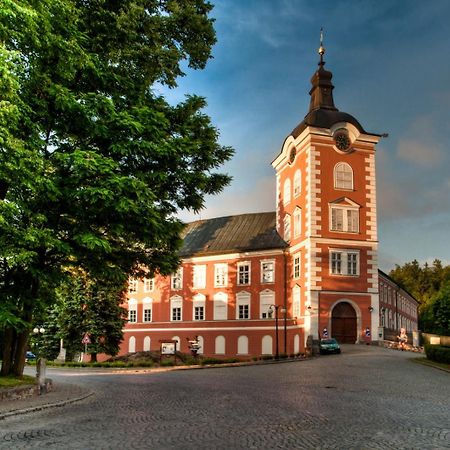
86,339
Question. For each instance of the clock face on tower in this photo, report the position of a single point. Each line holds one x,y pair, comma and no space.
342,141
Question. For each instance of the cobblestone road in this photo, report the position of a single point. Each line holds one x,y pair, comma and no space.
366,398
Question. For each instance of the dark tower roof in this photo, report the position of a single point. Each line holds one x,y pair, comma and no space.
322,112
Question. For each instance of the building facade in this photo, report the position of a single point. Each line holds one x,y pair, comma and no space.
269,283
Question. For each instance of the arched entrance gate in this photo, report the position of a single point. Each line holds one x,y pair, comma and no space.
344,323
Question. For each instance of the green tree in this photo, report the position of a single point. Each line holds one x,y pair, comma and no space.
89,307
441,310
93,164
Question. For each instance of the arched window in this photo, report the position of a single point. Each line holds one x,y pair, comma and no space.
201,343
297,183
220,345
132,344
266,348
287,191
296,344
147,343
242,345
343,176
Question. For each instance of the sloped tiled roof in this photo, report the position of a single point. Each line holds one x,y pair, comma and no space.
242,233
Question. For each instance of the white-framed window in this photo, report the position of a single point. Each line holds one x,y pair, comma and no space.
147,309
297,222
132,285
296,301
199,281
345,219
220,275
344,262
176,309
266,300
343,176
177,279
296,263
220,306
287,227
149,284
267,271
297,183
198,304
243,273
287,191
243,305
132,310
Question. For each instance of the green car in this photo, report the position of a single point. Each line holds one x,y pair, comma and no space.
329,346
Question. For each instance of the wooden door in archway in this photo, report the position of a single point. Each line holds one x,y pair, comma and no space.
343,323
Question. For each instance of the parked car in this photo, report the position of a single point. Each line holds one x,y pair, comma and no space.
329,345
30,356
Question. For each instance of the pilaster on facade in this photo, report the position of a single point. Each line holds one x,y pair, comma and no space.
371,200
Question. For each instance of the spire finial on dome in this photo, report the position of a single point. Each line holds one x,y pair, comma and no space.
321,48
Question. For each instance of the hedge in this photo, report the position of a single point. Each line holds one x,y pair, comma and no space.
438,353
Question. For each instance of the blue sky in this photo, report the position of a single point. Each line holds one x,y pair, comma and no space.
391,70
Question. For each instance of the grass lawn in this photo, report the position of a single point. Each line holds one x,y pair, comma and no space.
6,382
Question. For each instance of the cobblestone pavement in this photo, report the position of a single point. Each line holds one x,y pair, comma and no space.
366,398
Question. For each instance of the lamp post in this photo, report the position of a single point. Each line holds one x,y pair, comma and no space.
40,364
271,309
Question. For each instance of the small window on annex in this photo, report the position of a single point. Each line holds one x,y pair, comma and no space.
296,260
199,280
177,279
176,308
243,273
267,271
147,309
198,303
343,176
220,275
149,284
132,310
243,305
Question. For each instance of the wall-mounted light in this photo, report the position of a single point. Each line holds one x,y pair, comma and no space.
370,308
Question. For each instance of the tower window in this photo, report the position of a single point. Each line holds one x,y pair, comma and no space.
344,262
297,183
343,176
344,219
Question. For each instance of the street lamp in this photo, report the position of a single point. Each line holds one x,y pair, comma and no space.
38,331
40,363
271,309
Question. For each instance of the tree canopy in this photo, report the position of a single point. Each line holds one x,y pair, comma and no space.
430,286
93,164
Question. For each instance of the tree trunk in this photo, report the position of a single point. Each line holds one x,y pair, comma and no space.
8,351
19,354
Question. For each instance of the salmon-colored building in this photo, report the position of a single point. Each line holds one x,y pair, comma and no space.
276,282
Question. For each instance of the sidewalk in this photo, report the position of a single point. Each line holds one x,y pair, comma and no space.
62,394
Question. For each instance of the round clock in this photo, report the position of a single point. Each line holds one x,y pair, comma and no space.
342,142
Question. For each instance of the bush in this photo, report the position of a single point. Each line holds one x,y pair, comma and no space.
438,353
